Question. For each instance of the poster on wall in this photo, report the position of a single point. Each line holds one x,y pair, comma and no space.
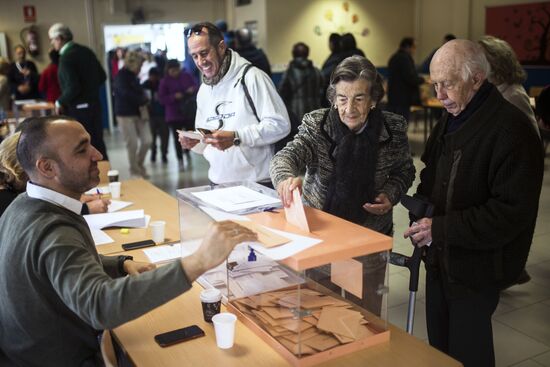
525,27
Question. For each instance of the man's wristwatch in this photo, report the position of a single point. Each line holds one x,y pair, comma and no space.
120,263
236,139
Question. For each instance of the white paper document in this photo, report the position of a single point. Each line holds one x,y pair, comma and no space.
159,254
117,205
219,215
297,244
231,199
100,237
130,218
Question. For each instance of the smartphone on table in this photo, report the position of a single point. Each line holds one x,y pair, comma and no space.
179,335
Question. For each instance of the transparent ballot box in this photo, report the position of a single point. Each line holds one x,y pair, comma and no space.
325,301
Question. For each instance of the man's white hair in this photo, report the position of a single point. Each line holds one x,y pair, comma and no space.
60,30
475,62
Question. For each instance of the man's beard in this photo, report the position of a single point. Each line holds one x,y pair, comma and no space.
221,72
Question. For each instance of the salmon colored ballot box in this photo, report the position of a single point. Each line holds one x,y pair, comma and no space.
311,295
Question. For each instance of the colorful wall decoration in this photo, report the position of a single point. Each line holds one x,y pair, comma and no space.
526,27
341,20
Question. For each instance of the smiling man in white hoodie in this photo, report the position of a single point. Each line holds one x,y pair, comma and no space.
239,147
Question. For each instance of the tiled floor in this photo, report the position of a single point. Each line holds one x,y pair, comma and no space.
521,324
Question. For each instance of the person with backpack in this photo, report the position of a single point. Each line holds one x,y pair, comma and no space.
239,105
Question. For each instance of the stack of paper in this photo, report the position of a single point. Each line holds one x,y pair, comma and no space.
130,218
236,199
329,322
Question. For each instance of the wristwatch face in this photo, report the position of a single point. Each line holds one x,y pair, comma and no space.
236,141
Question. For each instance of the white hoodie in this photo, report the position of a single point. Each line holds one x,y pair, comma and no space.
227,101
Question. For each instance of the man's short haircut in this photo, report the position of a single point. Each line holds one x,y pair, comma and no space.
154,71
32,140
60,30
215,36
505,67
243,37
406,42
172,64
300,49
355,68
133,60
19,46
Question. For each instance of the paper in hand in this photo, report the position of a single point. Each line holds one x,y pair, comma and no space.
295,213
190,134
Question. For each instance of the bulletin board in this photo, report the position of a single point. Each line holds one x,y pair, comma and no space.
526,27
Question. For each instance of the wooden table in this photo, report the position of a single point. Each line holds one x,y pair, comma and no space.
156,203
136,338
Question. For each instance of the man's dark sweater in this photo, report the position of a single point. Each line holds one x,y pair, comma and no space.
484,179
56,292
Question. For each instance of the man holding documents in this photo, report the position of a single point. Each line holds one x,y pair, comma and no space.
244,117
56,292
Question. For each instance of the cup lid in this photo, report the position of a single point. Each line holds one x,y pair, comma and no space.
211,295
112,172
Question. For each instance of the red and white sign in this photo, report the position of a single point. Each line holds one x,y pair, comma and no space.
29,13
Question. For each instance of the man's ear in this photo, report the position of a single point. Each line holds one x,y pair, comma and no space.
222,47
46,167
478,81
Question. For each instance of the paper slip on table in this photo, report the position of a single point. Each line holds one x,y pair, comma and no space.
156,203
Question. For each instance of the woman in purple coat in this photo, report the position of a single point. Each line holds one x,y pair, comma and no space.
175,90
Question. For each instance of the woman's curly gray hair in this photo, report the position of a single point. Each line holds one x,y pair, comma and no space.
505,67
354,68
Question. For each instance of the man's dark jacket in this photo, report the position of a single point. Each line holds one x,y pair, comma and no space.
80,76
484,180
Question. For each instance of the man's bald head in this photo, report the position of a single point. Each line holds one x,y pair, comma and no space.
458,69
462,57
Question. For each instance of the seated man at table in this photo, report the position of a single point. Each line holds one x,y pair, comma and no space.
56,292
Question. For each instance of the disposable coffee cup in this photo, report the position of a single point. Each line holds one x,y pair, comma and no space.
112,175
224,326
211,300
114,188
157,231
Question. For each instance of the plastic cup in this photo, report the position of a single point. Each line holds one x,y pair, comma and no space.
224,326
112,175
211,300
114,188
157,231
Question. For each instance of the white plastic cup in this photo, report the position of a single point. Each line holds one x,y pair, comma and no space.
224,326
112,175
114,188
157,231
211,300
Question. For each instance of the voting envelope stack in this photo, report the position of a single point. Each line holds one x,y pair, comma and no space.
333,299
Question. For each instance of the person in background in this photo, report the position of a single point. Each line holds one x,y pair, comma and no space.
508,76
177,89
148,63
159,128
80,77
355,160
5,90
49,82
246,48
56,292
403,80
117,61
348,46
335,57
129,98
483,174
240,144
543,109
302,84
13,179
23,76
424,68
